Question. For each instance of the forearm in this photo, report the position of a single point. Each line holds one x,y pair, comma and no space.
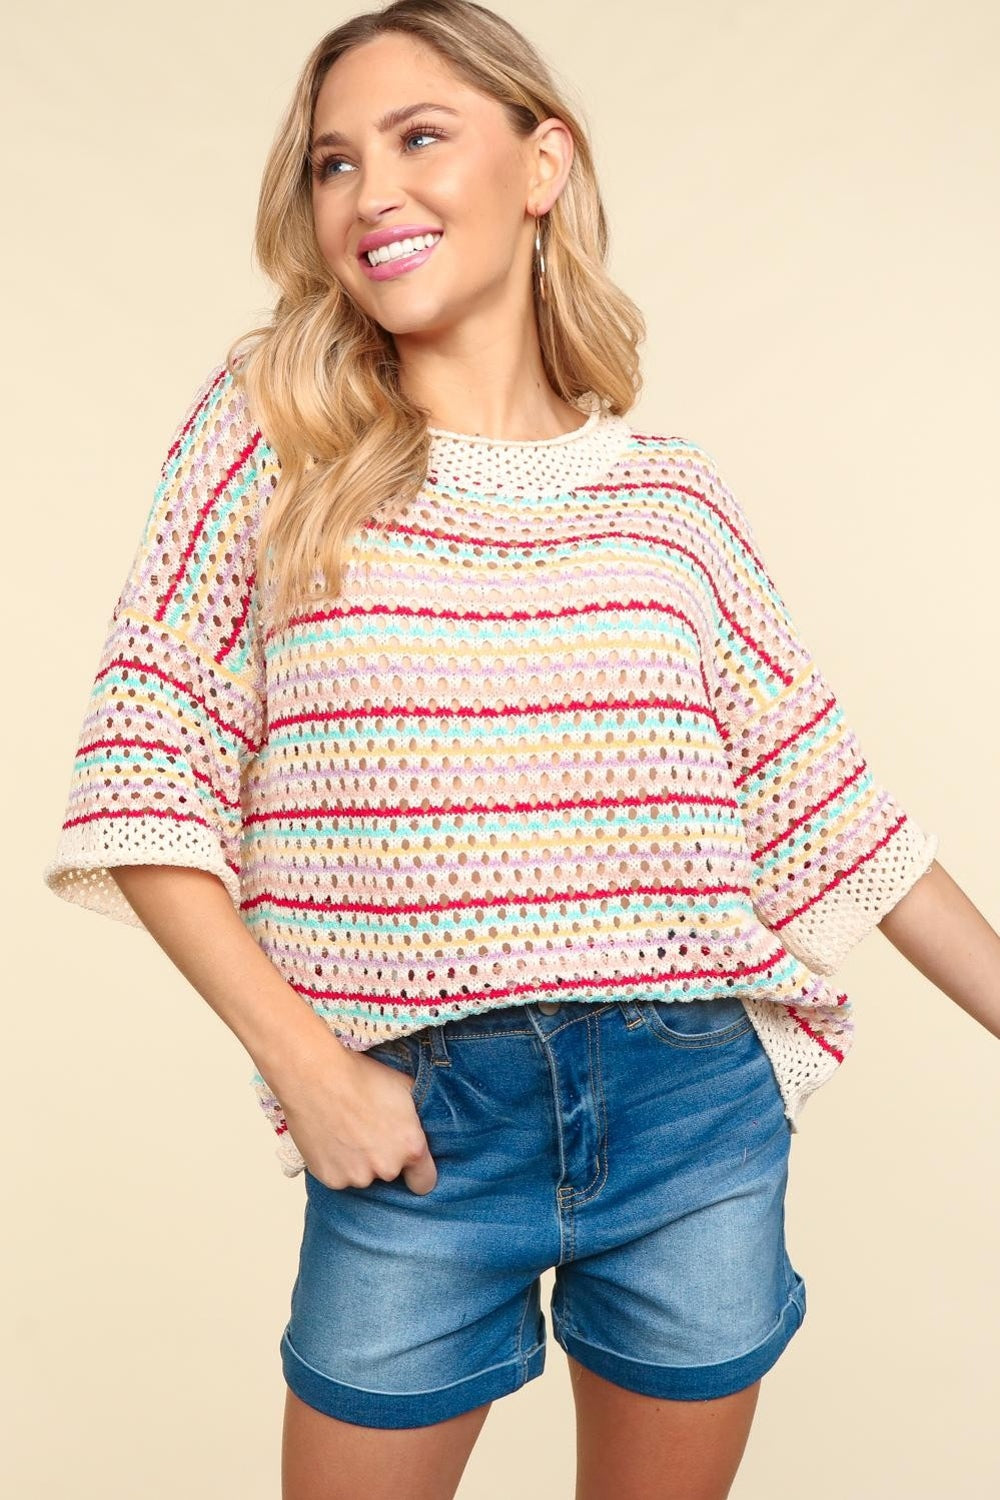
948,939
191,917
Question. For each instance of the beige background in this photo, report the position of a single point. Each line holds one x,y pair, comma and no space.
804,203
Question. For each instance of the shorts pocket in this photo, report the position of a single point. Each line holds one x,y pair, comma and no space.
412,1055
696,1023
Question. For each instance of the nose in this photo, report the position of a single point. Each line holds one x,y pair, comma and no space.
376,193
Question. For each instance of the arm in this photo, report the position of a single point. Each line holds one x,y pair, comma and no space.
350,1124
948,939
832,849
191,916
155,830
176,711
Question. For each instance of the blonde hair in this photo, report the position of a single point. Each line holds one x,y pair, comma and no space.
322,378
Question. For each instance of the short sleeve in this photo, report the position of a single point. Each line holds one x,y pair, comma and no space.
175,713
832,849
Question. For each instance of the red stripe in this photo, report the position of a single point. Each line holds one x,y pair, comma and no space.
789,739
545,987
421,612
155,671
810,812
150,812
623,488
576,705
553,614
405,908
477,808
842,876
821,1041
199,525
199,408
137,744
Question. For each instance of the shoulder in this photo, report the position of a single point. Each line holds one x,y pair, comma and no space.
672,455
687,469
216,418
217,444
208,497
701,506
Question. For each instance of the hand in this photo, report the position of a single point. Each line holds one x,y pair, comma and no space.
353,1120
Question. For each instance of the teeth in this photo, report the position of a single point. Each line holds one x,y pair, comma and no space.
401,247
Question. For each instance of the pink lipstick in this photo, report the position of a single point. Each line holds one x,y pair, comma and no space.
403,260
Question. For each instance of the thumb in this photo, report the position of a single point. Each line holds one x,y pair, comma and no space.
421,1175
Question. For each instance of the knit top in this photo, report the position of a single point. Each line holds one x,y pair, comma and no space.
558,737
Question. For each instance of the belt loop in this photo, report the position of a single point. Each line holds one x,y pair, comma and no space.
435,1040
633,1015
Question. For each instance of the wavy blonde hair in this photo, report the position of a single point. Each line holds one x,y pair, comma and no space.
322,378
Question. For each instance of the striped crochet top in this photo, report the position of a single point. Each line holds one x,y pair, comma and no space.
557,737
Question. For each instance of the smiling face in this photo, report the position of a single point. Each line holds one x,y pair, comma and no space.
453,168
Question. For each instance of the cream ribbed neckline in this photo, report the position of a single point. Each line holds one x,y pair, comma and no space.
469,462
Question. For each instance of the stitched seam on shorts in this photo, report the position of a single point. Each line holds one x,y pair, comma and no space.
474,1036
522,1355
566,1215
433,1390
690,1040
567,1321
425,1064
588,1193
790,1304
598,1007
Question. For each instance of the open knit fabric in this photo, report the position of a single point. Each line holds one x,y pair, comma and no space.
558,738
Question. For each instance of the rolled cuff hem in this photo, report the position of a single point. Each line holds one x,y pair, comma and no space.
406,1409
691,1382
79,872
822,936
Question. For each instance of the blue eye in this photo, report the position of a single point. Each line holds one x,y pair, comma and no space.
414,133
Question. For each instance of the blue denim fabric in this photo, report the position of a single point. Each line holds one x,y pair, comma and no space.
639,1148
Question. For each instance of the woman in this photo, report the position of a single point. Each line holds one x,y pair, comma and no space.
454,741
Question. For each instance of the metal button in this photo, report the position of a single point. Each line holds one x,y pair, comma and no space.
548,1007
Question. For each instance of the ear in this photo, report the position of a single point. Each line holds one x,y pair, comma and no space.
550,157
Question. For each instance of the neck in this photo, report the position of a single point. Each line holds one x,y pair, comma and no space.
485,379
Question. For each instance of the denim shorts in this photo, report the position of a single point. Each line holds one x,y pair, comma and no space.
639,1148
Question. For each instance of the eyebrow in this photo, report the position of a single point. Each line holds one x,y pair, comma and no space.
388,120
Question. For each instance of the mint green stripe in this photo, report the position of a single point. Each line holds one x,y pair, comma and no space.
356,826
187,704
457,1009
208,539
727,540
679,919
829,815
409,628
208,411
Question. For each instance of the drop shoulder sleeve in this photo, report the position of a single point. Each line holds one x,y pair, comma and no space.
176,709
832,849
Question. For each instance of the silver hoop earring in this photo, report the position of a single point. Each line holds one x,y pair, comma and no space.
540,261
